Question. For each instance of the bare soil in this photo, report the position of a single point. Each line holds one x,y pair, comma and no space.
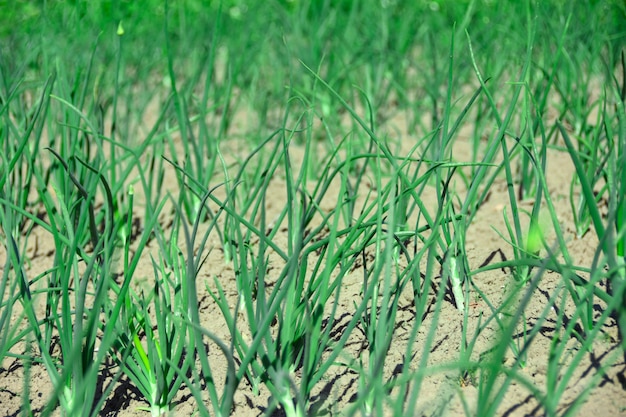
442,393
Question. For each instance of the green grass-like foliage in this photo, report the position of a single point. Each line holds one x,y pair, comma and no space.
264,137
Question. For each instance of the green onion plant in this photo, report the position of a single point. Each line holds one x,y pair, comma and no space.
316,155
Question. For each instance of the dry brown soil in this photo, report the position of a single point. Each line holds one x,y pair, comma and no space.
442,392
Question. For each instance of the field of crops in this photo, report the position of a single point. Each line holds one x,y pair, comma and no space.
312,208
